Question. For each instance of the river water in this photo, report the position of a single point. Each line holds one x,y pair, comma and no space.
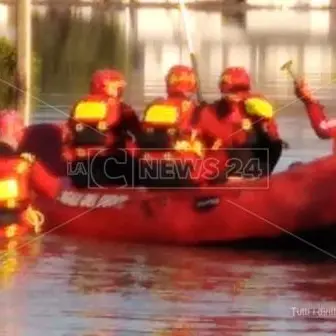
67,287
88,288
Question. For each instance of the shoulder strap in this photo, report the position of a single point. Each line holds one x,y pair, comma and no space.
186,105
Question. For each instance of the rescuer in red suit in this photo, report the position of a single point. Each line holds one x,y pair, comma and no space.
20,174
101,125
252,118
178,129
324,128
174,112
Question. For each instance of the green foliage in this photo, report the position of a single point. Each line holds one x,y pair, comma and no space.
8,91
73,47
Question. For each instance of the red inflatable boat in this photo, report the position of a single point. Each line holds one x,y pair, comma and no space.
300,199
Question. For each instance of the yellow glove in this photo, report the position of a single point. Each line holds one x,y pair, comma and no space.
31,158
257,107
27,161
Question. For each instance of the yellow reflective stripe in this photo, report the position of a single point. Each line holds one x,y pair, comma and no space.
9,189
182,77
246,124
161,114
22,167
187,146
11,230
90,110
217,144
259,107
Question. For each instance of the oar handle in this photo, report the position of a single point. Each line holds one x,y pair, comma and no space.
288,68
194,63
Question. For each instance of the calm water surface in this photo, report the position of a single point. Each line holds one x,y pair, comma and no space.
75,288
62,287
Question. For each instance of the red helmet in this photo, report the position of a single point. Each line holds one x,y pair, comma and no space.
11,125
110,83
181,79
234,79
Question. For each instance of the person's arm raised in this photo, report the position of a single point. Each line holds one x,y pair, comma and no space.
324,128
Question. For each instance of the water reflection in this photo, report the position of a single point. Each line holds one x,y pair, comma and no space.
88,288
18,258
11,255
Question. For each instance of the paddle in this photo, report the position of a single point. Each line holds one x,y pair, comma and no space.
193,59
194,64
288,68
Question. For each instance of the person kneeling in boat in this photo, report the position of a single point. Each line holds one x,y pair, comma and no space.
100,125
173,140
252,117
324,128
20,175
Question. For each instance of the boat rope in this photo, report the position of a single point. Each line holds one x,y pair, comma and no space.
34,217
